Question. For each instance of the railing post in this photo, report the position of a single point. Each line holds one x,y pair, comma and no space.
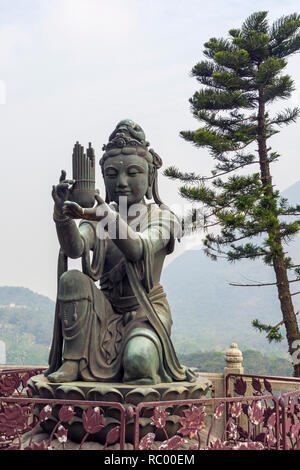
234,365
234,360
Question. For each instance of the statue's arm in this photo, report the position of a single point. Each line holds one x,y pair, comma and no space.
126,239
129,241
71,237
160,233
132,246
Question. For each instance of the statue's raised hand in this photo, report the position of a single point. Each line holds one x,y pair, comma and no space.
61,192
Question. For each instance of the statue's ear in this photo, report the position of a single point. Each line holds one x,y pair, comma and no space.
107,200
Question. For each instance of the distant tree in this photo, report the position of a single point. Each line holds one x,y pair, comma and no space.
254,362
21,349
242,76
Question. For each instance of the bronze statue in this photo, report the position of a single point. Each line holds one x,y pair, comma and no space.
120,332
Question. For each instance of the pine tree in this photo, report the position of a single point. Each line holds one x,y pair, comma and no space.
242,76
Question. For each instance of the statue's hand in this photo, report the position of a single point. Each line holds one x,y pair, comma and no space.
99,199
99,211
73,210
60,192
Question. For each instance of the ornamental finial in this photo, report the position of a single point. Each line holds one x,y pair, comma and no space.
233,356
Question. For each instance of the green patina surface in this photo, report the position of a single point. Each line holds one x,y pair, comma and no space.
119,332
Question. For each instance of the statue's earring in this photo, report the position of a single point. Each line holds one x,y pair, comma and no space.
149,193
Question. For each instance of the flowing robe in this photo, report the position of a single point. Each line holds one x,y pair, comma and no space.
130,302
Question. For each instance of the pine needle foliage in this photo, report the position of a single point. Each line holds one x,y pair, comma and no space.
240,78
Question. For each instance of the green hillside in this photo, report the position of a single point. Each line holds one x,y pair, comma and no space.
26,327
26,320
254,362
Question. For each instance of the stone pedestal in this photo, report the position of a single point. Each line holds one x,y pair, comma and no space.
127,395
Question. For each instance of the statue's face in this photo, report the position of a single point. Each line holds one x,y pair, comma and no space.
126,175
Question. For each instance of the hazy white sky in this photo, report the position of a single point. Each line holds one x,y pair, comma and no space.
71,70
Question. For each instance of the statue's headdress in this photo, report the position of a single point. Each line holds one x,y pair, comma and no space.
129,138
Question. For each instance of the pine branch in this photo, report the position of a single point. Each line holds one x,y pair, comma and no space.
287,47
216,45
280,88
243,165
284,35
273,332
220,100
286,117
173,173
211,239
253,285
261,284
211,225
283,28
230,124
255,22
288,213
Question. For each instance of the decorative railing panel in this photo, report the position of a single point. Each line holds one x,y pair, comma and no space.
262,429
16,420
14,381
290,420
256,384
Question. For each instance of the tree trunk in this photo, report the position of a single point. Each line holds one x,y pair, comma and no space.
283,286
287,309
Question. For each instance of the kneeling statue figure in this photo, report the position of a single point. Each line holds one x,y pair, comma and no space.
119,332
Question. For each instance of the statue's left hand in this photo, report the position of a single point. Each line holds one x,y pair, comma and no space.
73,210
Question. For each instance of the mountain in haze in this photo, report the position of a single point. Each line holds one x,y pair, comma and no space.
292,193
209,314
28,312
23,297
26,325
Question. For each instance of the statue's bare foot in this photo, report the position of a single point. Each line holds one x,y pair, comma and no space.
68,372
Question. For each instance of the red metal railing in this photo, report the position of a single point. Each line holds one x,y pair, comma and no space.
290,420
260,421
216,402
263,378
91,426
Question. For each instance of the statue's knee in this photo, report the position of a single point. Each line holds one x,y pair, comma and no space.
72,283
140,359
